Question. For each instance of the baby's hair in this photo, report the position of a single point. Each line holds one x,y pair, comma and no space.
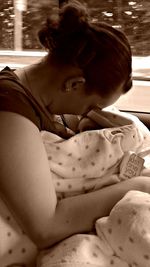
101,51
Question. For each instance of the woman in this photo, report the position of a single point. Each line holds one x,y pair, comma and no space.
87,65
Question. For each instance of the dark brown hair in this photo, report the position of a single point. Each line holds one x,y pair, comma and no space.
101,51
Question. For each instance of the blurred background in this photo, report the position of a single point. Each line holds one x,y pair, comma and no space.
20,19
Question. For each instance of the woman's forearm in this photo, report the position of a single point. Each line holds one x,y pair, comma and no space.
78,214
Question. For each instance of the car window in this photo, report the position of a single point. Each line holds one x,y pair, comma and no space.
20,20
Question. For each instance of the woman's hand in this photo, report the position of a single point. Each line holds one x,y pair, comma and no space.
142,183
145,172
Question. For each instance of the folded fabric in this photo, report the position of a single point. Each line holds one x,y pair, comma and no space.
91,159
80,251
127,229
16,249
122,240
88,161
85,162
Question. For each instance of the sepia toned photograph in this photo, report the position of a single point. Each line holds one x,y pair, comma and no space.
74,133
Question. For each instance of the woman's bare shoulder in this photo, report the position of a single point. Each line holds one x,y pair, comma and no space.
25,178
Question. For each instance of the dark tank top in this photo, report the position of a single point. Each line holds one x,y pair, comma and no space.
14,97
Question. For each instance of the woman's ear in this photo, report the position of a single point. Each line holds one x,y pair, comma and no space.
75,83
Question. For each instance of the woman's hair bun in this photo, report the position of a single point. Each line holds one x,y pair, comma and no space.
72,17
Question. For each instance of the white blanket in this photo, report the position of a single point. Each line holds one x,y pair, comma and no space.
122,239
127,229
89,161
92,159
84,162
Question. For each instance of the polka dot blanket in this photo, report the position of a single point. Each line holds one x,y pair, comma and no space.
91,159
85,162
88,161
122,239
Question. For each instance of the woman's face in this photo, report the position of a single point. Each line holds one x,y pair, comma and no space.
78,102
81,103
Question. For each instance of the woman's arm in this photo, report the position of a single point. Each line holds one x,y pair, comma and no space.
25,178
27,187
